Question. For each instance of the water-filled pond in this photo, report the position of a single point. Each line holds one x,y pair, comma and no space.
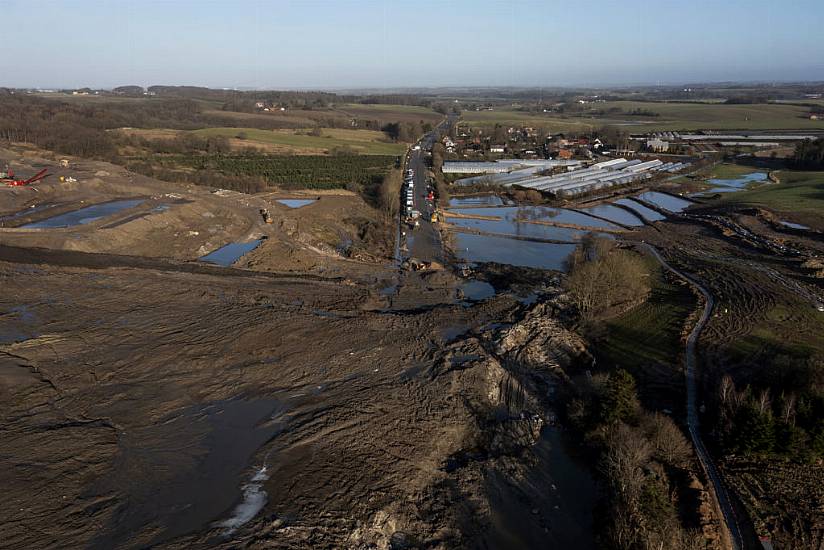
793,225
647,213
296,203
662,200
477,290
228,254
614,214
84,215
484,248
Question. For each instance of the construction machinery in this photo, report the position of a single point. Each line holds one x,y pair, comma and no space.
7,178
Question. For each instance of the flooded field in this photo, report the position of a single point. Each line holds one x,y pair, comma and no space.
484,200
664,201
296,203
520,229
481,248
84,215
540,214
614,214
648,214
736,184
230,253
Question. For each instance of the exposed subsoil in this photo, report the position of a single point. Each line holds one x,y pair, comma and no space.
288,401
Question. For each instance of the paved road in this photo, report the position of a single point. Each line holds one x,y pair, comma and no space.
424,242
724,502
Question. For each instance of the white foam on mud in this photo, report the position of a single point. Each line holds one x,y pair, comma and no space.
254,499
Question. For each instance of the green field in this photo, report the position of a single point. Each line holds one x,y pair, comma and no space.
646,340
731,171
650,333
365,142
390,113
800,196
671,116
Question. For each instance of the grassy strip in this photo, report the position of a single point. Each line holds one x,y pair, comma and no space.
649,334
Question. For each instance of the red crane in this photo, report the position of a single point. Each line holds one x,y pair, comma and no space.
10,181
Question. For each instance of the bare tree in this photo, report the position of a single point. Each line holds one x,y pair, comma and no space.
671,447
764,401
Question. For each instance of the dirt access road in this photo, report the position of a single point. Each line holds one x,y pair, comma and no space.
711,471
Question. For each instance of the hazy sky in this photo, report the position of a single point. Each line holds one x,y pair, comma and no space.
372,43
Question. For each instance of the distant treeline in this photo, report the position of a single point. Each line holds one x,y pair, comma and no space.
809,155
81,128
84,129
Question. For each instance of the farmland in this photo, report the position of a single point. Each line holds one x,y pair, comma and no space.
390,113
310,172
301,142
671,116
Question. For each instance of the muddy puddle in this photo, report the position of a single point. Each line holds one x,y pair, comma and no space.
17,324
648,214
85,215
664,201
477,291
793,225
484,248
485,200
200,460
296,203
552,507
614,214
228,254
451,333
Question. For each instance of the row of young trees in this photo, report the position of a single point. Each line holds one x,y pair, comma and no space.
769,422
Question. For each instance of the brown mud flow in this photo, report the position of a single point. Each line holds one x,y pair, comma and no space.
145,404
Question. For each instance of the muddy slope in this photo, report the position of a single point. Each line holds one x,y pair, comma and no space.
148,406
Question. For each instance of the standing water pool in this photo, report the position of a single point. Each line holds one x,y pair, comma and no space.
230,253
84,215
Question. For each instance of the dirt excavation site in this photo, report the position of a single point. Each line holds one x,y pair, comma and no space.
189,367
152,399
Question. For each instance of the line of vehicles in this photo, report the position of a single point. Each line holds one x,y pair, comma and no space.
412,214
